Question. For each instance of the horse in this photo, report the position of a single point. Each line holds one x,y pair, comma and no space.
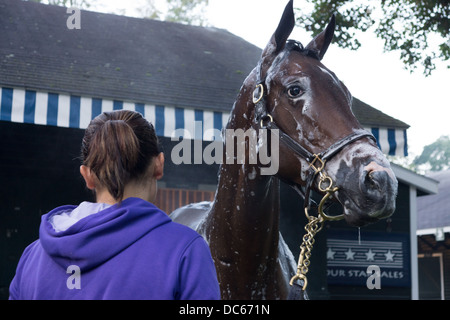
289,92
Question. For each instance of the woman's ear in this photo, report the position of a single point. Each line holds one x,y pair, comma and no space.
88,176
158,172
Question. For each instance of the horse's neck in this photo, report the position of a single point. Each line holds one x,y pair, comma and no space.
246,203
246,206
243,227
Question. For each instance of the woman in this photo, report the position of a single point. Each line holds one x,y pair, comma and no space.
122,246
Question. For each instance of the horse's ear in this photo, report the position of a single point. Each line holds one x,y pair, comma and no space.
284,29
321,42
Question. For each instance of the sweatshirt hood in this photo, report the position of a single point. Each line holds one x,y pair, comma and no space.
98,237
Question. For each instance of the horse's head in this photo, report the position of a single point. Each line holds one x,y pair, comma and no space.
311,106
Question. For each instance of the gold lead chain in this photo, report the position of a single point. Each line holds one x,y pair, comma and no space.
314,225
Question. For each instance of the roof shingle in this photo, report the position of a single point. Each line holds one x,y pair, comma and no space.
432,210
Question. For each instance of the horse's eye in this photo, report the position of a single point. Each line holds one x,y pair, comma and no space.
295,91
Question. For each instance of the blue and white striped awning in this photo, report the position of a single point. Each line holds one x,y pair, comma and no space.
391,141
72,111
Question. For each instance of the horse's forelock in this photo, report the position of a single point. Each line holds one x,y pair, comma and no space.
294,45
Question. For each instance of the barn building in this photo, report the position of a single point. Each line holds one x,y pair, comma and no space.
54,80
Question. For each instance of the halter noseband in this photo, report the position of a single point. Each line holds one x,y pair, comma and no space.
316,161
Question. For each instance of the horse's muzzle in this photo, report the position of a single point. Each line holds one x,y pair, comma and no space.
375,199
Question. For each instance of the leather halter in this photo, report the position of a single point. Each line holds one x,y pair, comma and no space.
316,161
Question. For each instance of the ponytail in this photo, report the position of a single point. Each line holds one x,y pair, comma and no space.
118,147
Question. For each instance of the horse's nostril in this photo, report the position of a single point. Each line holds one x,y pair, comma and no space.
372,181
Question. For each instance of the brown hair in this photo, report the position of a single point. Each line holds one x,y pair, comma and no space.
118,147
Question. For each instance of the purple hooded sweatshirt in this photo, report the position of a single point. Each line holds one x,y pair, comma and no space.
127,251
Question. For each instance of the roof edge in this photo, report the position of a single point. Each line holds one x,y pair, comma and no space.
427,231
398,123
427,185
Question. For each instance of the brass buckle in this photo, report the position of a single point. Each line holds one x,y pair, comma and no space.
299,277
268,116
322,212
257,99
313,162
325,180
326,185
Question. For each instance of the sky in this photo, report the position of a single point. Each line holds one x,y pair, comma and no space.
378,78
